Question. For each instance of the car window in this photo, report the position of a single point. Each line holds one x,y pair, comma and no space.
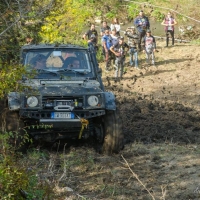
58,59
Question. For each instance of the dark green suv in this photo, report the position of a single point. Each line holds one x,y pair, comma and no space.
65,98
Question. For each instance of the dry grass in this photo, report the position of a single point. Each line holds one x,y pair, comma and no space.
154,171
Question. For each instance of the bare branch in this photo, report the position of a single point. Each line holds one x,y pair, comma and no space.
136,176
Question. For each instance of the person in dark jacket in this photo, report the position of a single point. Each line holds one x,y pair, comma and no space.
92,37
119,50
142,24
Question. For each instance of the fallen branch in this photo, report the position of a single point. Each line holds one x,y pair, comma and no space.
136,176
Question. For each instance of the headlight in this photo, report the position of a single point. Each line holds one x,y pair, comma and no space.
93,100
32,101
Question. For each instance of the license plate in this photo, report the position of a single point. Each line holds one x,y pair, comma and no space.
62,115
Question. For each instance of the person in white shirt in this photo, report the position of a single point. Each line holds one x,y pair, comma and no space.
115,24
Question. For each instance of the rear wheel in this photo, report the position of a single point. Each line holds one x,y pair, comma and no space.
114,138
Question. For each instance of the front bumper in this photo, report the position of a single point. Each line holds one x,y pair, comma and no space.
46,115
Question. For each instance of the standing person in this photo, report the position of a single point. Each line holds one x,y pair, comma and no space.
115,40
169,22
149,48
132,42
91,35
141,22
104,27
107,43
120,52
115,24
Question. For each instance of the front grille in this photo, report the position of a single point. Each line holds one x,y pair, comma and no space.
62,102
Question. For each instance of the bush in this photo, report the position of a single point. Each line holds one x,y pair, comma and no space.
17,181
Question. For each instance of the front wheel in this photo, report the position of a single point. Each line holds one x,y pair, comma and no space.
114,138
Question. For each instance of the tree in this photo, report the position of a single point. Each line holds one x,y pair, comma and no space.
20,18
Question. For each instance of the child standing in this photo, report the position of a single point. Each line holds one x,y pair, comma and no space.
149,48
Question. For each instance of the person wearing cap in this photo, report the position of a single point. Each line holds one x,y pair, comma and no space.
141,23
149,48
132,42
119,51
169,22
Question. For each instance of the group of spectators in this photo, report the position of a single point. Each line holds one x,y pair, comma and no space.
114,47
139,38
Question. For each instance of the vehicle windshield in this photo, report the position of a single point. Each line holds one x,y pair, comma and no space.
62,60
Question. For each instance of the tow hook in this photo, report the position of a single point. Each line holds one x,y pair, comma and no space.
84,123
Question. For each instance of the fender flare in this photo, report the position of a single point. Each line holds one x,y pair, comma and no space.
110,101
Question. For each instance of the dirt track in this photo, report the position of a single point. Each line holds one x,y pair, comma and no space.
161,119
162,104
161,122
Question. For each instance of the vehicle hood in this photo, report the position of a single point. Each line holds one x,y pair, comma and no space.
63,87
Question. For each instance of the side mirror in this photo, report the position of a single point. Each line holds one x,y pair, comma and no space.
99,71
24,78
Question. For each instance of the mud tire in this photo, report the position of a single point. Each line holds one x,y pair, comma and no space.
114,138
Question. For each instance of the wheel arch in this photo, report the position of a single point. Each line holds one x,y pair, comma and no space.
110,101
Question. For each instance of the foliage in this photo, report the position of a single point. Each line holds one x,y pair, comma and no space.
12,176
65,22
133,10
19,19
156,14
9,79
68,18
16,180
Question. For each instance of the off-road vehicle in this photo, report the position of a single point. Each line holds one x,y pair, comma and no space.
63,100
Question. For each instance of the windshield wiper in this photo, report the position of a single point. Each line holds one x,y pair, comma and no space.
72,70
46,71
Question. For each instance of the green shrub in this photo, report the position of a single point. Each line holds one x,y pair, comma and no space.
16,180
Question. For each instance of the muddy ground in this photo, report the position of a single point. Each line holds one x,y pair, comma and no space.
160,111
